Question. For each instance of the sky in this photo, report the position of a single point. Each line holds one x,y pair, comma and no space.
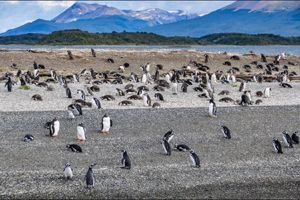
17,13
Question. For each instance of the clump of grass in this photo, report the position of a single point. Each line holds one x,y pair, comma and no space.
24,87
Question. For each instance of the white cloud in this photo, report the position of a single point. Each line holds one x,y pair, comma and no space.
49,5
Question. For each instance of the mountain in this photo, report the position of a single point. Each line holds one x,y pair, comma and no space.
253,17
90,11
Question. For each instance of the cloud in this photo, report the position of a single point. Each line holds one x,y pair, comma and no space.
50,5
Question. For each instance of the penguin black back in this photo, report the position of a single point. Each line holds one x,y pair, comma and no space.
126,160
74,147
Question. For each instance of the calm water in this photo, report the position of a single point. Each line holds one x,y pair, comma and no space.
293,50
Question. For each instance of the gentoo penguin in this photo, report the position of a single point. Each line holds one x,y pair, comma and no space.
168,135
28,138
242,86
53,127
182,147
195,159
68,92
126,163
212,108
74,147
89,177
267,92
75,109
96,103
295,138
106,124
226,132
174,88
82,94
245,100
9,84
213,78
146,99
68,171
81,132
159,96
277,146
166,147
287,139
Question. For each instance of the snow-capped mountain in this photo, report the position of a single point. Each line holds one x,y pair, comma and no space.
91,11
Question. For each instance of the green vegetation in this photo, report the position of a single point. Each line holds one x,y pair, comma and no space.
78,37
24,87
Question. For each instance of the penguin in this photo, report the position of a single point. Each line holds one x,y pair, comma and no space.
96,103
146,99
68,172
182,147
267,92
89,177
68,92
81,132
245,100
277,146
287,139
120,92
174,88
28,138
242,87
295,138
248,93
82,94
53,127
213,78
226,132
76,78
184,87
166,147
212,108
75,109
126,163
71,114
159,96
89,90
106,124
285,85
168,135
9,84
74,147
144,78
195,159
156,105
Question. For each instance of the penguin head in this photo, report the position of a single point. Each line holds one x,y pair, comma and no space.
92,165
105,115
81,124
68,165
123,151
67,146
192,151
284,132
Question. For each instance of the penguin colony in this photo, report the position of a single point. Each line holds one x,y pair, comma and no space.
195,75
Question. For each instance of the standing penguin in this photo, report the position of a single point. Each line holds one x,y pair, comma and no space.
68,92
9,84
242,87
195,159
53,127
295,138
82,94
126,163
226,132
287,139
96,103
267,92
68,171
159,96
169,135
213,78
146,99
81,132
106,124
277,146
174,88
89,177
245,100
212,108
166,147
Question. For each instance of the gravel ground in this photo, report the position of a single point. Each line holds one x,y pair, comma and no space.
57,99
243,167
